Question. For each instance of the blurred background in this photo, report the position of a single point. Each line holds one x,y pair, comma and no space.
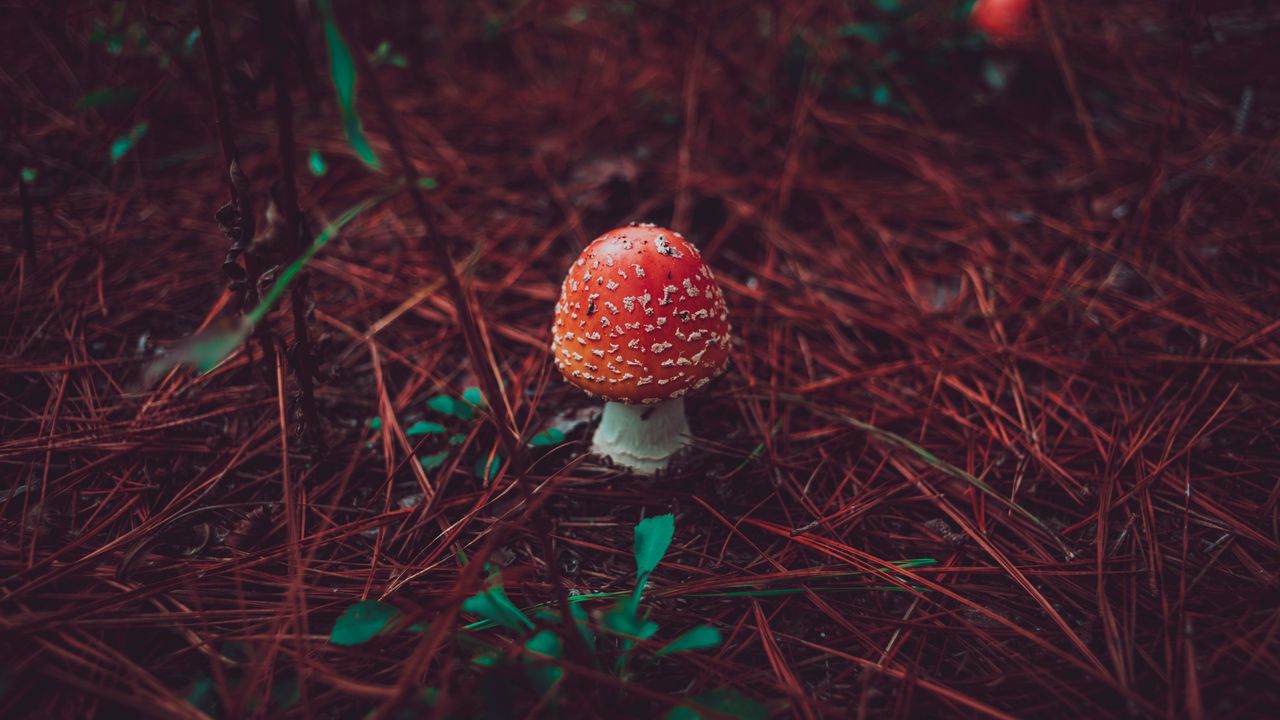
280,435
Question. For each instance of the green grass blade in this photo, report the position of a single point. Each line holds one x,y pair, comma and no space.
342,68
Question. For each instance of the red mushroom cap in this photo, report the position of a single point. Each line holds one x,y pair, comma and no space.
640,318
1003,20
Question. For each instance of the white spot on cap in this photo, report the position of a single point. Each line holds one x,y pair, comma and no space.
666,248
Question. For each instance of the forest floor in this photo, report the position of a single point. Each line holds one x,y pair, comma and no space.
999,434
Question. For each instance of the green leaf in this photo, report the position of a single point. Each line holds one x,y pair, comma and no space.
622,620
473,396
653,537
203,351
542,675
888,6
423,427
995,75
427,183
701,637
584,627
29,175
214,348
493,604
189,43
362,622
108,96
451,406
434,460
725,701
427,696
285,692
881,95
579,615
342,69
123,144
457,439
375,423
203,695
547,438
380,53
316,163
872,32
487,467
962,10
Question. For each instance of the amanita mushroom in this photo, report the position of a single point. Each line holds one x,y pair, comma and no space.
640,322
1002,20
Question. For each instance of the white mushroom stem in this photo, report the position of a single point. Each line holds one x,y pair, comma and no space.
641,438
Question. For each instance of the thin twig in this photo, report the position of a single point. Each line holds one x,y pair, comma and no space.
295,244
484,368
236,218
1069,76
213,61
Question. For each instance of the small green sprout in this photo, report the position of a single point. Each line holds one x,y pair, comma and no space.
316,163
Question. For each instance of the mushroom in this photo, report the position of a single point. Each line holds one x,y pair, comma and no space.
640,322
1003,21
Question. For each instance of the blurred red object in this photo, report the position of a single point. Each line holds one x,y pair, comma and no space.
1002,20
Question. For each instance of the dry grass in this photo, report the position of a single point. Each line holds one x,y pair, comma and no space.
963,334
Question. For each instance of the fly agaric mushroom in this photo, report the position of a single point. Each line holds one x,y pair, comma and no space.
1002,21
640,322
